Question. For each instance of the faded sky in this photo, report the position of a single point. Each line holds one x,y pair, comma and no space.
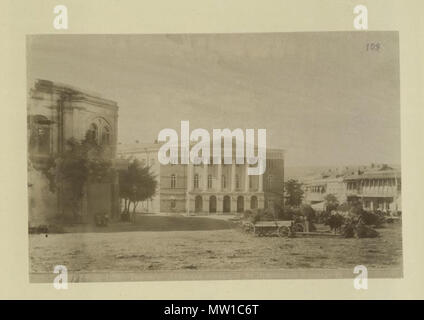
322,97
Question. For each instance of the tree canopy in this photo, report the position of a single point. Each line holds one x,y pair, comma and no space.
331,202
80,162
136,184
293,193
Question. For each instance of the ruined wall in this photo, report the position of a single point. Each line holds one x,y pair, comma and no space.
56,113
42,202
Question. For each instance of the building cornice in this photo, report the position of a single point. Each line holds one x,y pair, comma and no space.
73,94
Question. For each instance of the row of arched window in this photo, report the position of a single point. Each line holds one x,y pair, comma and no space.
226,203
196,180
40,134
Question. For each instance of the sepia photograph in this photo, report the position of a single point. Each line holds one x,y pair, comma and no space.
213,156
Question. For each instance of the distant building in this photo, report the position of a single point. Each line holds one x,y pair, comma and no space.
378,187
56,113
204,189
316,189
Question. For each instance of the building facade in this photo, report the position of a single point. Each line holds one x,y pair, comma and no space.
316,189
378,187
57,113
209,188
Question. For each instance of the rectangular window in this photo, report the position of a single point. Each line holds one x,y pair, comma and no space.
196,181
173,181
209,181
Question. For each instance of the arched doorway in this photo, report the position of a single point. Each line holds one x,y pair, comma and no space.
240,204
226,204
253,202
198,204
212,204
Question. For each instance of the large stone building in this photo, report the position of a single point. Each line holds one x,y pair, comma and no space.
213,188
378,187
56,113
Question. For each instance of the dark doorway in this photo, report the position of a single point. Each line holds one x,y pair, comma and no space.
212,204
198,204
227,204
253,202
240,204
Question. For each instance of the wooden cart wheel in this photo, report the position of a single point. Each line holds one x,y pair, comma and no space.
298,227
283,231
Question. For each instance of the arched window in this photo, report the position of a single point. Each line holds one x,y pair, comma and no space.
237,181
93,132
173,181
210,181
40,134
43,135
196,181
223,181
100,131
106,135
173,203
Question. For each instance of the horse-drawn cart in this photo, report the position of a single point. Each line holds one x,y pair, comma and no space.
272,228
283,229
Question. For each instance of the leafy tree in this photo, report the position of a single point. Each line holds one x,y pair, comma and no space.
331,202
293,193
136,184
372,218
256,215
344,207
355,207
356,227
81,161
308,212
335,222
352,207
289,213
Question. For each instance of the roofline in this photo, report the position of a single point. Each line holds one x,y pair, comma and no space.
73,91
134,147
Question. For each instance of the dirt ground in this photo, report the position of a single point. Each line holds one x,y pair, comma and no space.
227,249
